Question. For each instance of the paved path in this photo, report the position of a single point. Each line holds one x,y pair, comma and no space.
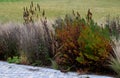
21,71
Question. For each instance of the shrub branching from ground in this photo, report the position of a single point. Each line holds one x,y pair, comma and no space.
79,43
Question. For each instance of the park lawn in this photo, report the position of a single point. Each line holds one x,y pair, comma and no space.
12,10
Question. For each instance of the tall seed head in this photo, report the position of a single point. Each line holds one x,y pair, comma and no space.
38,6
43,13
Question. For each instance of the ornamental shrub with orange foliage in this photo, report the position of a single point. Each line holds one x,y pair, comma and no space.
68,45
67,33
81,44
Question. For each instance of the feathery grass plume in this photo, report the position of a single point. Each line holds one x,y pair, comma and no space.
73,12
26,15
38,6
89,16
30,42
9,40
115,58
31,14
31,3
36,45
48,35
31,36
35,9
34,15
78,15
43,13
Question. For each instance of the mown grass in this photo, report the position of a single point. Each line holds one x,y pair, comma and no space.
11,10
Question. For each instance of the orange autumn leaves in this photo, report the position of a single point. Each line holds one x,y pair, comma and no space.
79,44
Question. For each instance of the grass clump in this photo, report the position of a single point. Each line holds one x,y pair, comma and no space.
30,42
115,58
9,40
113,24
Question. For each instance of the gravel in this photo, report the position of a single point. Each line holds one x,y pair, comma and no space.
8,70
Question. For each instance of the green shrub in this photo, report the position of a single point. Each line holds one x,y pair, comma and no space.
92,52
15,59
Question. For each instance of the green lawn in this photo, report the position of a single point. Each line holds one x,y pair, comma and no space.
11,10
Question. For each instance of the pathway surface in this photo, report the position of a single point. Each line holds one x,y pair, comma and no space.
8,70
